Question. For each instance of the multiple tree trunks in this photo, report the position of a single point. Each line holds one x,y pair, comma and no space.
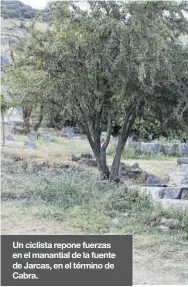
100,150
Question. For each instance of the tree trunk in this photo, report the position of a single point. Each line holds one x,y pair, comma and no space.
125,132
100,153
114,173
26,117
102,165
38,124
93,131
26,126
3,128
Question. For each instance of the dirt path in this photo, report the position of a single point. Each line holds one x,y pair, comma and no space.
157,261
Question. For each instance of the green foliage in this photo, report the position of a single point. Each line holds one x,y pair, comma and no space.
7,102
5,105
126,200
64,193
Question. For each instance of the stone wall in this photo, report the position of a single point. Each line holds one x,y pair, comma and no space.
182,172
165,148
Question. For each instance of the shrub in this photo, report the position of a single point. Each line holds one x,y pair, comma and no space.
125,199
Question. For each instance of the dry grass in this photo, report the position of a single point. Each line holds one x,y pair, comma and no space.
18,219
160,260
57,151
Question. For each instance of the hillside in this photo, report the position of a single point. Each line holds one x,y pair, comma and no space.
7,24
17,10
13,13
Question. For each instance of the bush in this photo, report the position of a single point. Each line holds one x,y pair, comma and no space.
66,190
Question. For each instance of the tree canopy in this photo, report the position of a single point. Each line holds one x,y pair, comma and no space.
117,63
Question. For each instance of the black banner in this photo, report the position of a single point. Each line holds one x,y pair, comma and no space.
66,260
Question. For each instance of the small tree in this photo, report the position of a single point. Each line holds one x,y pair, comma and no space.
111,64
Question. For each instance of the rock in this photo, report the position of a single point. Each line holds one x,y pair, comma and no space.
86,155
153,147
19,131
30,144
74,158
128,168
184,193
171,223
68,132
4,61
154,180
182,174
88,161
132,172
85,159
182,160
17,158
124,166
170,148
183,148
170,193
135,166
83,137
163,228
39,136
10,138
45,137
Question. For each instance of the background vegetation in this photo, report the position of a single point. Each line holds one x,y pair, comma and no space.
17,10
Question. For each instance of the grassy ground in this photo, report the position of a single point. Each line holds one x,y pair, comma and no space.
60,149
72,202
